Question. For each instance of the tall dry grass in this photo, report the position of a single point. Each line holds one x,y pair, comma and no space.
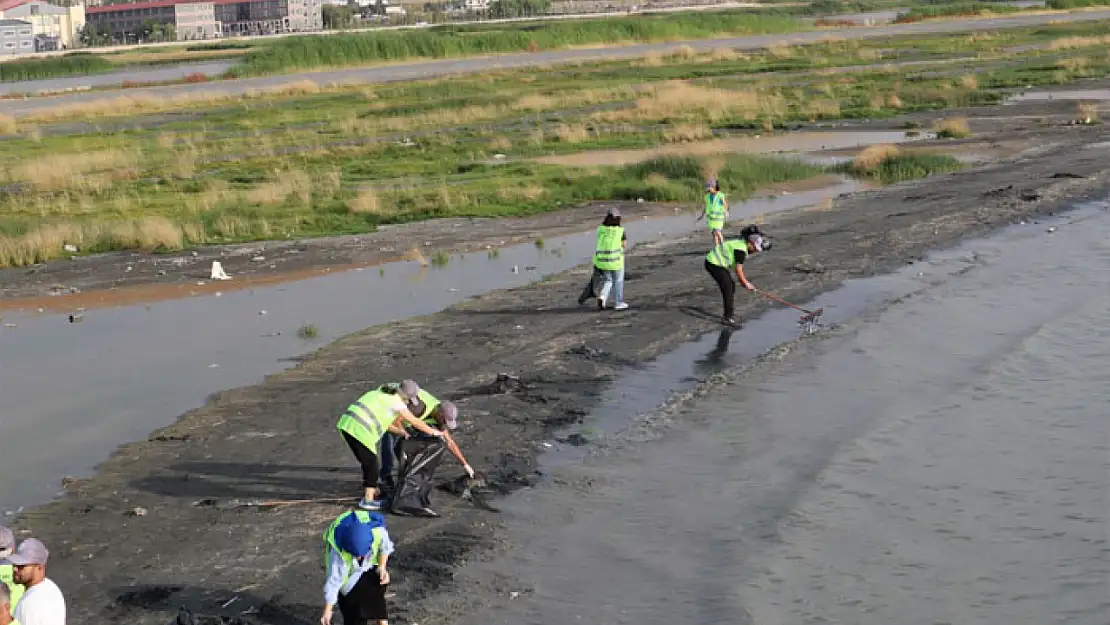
8,125
1066,43
692,131
366,202
953,128
292,183
89,171
683,101
871,157
48,242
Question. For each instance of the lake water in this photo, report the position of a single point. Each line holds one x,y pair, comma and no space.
939,460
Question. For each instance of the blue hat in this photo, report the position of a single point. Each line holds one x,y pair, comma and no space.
356,537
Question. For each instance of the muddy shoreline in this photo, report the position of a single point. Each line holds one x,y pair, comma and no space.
277,440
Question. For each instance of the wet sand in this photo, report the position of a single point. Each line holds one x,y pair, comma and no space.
277,440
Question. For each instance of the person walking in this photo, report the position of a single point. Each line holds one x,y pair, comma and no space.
729,257
716,210
7,546
608,273
357,547
42,602
420,456
370,417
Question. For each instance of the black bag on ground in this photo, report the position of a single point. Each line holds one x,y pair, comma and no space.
420,457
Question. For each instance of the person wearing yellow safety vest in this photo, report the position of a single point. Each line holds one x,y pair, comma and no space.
367,420
608,263
6,602
7,579
716,211
729,256
357,547
420,456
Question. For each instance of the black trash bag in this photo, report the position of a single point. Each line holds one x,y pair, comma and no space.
419,457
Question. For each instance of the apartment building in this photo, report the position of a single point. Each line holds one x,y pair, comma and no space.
16,37
54,27
193,19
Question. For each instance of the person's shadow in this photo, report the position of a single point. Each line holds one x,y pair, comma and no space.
714,361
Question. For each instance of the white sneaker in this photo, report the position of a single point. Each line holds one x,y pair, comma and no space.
621,306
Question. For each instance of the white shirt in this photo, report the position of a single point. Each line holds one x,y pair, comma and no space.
42,604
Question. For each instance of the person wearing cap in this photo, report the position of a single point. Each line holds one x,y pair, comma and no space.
716,211
367,420
420,455
608,263
357,547
729,257
7,546
42,602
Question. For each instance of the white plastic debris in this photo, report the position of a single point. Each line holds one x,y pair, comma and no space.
69,247
218,272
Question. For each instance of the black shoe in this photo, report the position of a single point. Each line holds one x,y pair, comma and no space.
600,305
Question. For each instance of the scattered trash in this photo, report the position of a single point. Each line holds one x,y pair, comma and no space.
218,272
516,269
161,272
639,200
262,312
76,318
514,595
453,290
229,602
213,366
258,259
1052,229
137,512
70,248
129,268
499,156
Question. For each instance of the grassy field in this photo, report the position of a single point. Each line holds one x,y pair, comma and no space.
307,160
304,53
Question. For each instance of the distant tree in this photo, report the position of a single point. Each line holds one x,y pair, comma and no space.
501,9
338,18
95,34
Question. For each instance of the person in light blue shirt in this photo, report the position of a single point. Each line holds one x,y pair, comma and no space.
357,547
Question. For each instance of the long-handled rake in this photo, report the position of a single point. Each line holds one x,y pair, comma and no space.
810,321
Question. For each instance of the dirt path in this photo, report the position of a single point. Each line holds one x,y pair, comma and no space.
430,69
277,440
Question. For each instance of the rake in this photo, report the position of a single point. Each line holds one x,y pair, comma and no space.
810,321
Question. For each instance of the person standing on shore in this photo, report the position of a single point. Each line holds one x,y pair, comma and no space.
367,420
357,547
716,211
420,456
729,257
7,546
608,273
42,602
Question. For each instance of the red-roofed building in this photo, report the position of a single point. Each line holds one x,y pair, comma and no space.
206,19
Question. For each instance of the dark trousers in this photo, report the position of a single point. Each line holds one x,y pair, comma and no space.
366,601
366,458
389,439
727,285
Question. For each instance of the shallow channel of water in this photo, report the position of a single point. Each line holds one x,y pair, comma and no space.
74,392
944,460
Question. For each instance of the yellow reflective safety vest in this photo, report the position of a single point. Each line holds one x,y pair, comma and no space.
724,255
610,254
349,558
369,417
715,210
14,589
430,404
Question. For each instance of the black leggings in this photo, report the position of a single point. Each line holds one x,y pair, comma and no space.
727,285
366,458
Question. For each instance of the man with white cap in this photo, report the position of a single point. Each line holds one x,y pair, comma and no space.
367,420
7,546
420,455
728,257
42,602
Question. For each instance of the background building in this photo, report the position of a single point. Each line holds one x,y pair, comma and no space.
193,19
54,26
16,37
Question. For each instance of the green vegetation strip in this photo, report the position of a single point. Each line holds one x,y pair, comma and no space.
302,53
315,161
52,67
